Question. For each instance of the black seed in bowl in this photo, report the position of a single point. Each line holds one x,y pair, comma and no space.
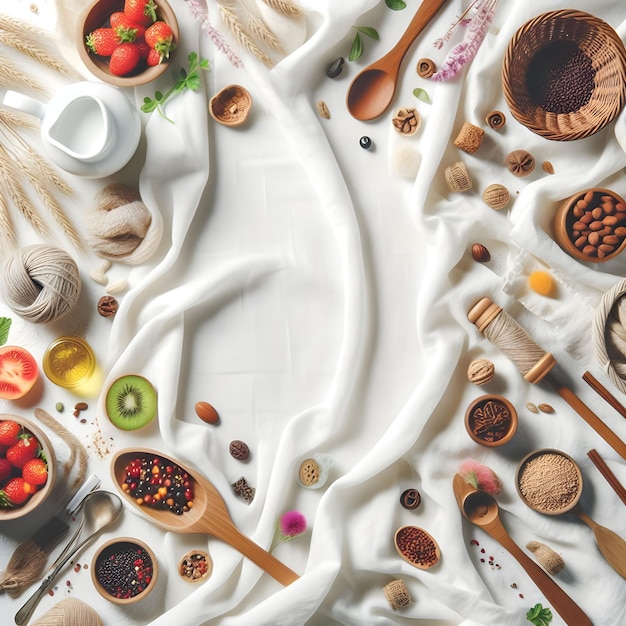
124,570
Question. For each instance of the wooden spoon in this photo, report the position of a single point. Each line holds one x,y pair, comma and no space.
482,510
373,88
611,545
208,514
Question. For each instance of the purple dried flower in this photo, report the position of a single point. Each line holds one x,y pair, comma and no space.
292,524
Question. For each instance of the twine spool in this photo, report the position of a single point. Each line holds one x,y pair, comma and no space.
549,559
609,334
120,227
41,283
469,138
397,594
457,177
70,612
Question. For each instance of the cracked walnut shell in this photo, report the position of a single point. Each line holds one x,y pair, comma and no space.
231,105
520,162
406,121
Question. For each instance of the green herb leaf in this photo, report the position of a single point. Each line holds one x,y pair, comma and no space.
357,48
539,616
396,5
422,94
5,326
369,31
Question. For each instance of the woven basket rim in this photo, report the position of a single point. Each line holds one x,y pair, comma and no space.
578,124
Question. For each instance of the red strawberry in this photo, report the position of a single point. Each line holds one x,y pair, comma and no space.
124,59
5,469
9,432
144,48
15,492
24,450
102,41
125,27
35,472
160,37
153,58
141,11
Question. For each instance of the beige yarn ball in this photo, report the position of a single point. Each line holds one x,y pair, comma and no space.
69,612
41,283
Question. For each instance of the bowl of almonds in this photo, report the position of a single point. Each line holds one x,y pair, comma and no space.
591,225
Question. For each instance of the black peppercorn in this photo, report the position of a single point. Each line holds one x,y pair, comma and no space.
335,68
365,142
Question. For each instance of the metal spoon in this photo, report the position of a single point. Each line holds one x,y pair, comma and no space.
100,509
372,90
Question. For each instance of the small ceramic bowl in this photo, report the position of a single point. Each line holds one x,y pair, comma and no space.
491,420
44,491
124,562
97,15
591,225
231,105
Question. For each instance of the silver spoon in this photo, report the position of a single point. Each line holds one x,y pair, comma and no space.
100,509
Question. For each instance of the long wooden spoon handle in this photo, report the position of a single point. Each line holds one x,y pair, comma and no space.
258,555
611,545
571,613
421,19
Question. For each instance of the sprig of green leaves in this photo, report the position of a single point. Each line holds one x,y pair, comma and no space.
189,79
357,44
5,326
422,94
396,5
539,615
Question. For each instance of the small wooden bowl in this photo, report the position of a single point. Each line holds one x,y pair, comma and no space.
42,494
185,565
427,553
230,106
568,214
495,406
97,15
115,546
521,78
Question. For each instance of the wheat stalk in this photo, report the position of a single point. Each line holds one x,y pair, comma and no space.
11,76
231,20
261,31
11,183
25,46
10,118
286,7
7,230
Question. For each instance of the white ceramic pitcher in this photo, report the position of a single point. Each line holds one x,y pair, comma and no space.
75,121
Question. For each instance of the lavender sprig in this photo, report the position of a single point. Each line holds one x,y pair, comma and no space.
466,50
200,13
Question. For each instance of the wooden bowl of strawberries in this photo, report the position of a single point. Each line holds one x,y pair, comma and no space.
127,43
27,467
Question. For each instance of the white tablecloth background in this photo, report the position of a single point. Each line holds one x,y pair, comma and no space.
318,300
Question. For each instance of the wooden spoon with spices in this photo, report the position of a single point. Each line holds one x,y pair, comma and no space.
482,510
207,515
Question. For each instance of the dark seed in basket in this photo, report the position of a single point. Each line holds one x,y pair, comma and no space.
124,572
560,77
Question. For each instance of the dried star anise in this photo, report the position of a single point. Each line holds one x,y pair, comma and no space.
520,162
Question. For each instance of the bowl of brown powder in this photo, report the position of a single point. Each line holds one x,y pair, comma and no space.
549,481
564,74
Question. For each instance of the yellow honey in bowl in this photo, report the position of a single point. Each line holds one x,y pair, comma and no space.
69,362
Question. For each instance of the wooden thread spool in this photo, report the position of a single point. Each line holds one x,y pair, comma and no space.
507,335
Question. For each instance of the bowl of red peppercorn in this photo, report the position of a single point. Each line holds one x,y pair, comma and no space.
491,420
127,43
124,570
564,75
591,225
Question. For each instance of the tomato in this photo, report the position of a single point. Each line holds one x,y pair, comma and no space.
18,372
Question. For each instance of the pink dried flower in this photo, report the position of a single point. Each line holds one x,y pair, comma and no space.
480,476
292,524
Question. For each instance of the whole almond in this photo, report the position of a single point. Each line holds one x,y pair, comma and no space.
480,254
207,413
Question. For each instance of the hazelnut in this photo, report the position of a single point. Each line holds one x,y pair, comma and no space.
481,371
496,196
520,162
406,121
480,254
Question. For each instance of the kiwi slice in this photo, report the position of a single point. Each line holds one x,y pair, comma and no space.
131,402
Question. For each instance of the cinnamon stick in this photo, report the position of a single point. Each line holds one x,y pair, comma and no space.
604,393
610,477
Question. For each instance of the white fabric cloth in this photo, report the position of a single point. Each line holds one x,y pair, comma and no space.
319,302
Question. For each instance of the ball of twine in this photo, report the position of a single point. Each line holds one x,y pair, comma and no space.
457,177
397,594
120,226
41,283
609,334
70,612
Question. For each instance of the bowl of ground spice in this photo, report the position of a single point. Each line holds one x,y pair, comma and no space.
549,481
491,420
564,75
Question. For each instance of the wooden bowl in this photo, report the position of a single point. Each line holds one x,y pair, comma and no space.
569,233
499,417
231,105
97,15
189,564
115,546
417,547
592,62
43,492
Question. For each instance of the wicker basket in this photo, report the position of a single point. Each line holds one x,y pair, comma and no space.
597,46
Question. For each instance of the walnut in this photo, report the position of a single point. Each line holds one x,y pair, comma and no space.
407,121
107,306
520,162
481,371
231,105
